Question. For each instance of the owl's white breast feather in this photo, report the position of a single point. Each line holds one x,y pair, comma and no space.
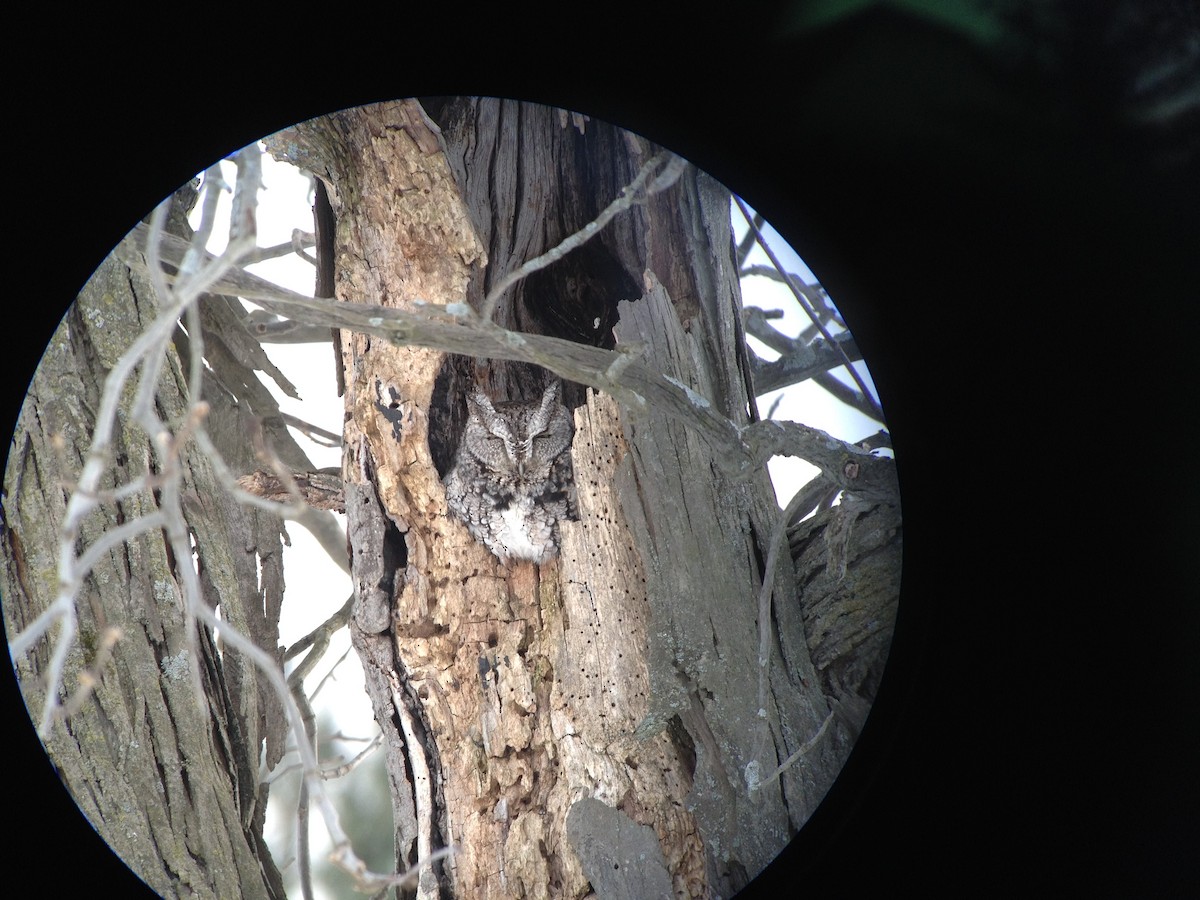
514,534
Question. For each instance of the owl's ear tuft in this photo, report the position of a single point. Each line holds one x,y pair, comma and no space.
479,403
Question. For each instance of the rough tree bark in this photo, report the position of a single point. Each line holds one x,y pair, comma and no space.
592,724
171,785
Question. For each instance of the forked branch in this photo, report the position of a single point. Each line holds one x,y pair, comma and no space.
455,328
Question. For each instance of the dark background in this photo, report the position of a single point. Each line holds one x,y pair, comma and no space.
1016,256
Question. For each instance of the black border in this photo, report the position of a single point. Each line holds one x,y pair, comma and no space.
1020,277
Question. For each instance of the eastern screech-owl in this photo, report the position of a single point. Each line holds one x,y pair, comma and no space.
512,480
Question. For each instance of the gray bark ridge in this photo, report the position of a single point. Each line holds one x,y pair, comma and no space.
622,859
170,785
703,658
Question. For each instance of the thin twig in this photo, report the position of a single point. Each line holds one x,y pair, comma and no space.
634,383
816,294
344,769
90,677
114,537
177,292
300,239
316,434
229,481
746,244
844,392
319,637
801,751
330,674
631,194
806,306
764,596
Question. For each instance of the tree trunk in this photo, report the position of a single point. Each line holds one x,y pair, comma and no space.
594,723
170,784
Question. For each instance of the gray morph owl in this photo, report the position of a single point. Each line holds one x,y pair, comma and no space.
512,481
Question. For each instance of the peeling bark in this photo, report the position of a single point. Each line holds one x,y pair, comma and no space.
623,672
847,563
172,786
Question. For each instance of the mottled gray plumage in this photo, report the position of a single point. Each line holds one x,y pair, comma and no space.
512,480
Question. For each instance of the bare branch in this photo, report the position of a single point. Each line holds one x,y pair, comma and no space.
114,537
453,329
631,381
303,851
877,441
271,329
765,592
322,490
340,771
318,638
331,673
814,495
368,882
328,533
756,325
631,194
315,491
801,751
805,305
814,293
747,242
196,272
312,432
846,465
146,352
300,240
801,362
846,394
90,677
229,481
332,771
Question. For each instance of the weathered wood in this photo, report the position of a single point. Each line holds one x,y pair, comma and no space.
847,560
625,671
321,490
742,449
402,232
171,785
